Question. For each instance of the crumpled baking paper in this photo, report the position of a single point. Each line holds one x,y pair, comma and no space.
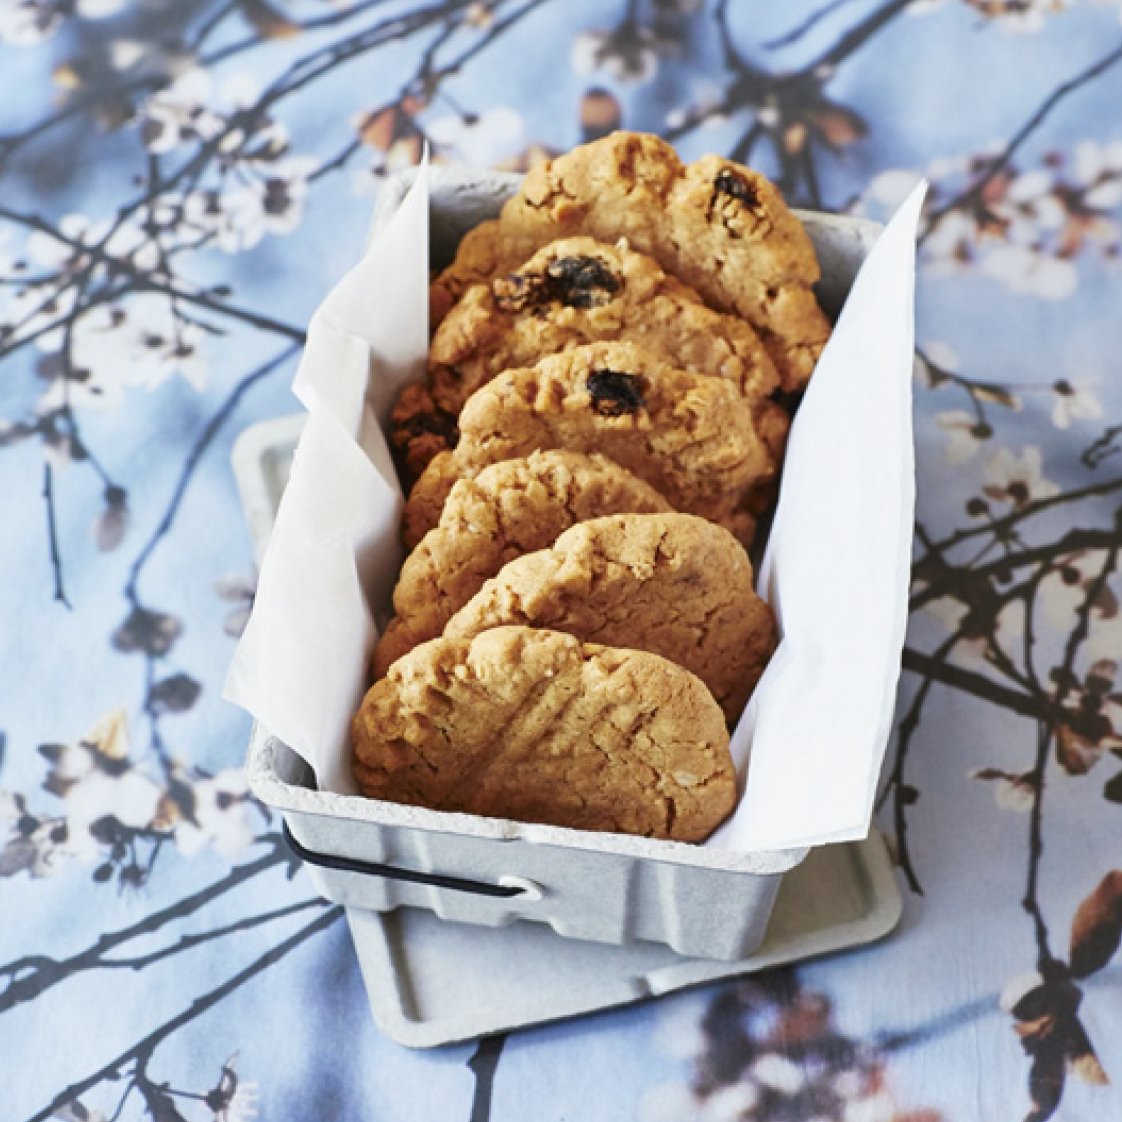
835,569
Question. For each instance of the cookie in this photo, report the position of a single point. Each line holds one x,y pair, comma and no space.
689,436
537,726
508,509
425,505
419,431
720,227
572,292
671,584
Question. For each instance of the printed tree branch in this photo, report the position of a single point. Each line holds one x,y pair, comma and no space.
144,1048
994,167
35,974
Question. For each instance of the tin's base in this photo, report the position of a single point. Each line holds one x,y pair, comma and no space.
432,982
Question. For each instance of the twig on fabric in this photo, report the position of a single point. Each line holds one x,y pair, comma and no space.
34,974
190,464
52,536
187,942
809,24
790,109
143,1049
1001,161
483,1064
1046,735
903,794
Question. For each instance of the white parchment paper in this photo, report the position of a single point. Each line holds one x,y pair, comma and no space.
835,570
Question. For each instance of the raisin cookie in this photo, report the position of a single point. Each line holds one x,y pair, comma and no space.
671,584
720,227
572,292
539,727
510,508
690,437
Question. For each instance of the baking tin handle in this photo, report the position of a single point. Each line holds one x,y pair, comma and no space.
394,872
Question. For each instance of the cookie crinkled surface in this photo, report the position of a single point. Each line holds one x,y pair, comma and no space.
691,437
536,726
508,509
671,584
721,228
571,292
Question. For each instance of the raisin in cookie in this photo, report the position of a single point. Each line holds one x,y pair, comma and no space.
720,227
539,727
671,584
510,508
572,292
690,437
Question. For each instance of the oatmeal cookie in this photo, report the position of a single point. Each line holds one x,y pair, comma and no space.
689,436
720,227
508,509
537,726
671,584
572,292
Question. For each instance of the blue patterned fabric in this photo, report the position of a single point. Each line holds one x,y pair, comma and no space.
180,183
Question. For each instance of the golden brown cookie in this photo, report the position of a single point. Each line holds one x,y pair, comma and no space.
671,584
537,726
689,436
508,509
720,227
571,292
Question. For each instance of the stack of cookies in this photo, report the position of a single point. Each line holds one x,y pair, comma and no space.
610,379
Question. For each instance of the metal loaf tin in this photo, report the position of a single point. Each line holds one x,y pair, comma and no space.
378,856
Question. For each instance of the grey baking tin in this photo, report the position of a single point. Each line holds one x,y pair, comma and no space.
432,983
605,888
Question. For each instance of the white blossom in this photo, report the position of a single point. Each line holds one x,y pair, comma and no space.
779,1074
1010,792
1074,401
220,816
272,202
1017,479
1028,271
973,645
878,1107
139,342
965,435
179,114
731,1103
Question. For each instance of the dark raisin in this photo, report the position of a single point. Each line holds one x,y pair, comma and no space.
576,282
615,394
434,422
729,183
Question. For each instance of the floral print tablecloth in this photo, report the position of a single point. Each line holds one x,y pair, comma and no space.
180,182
